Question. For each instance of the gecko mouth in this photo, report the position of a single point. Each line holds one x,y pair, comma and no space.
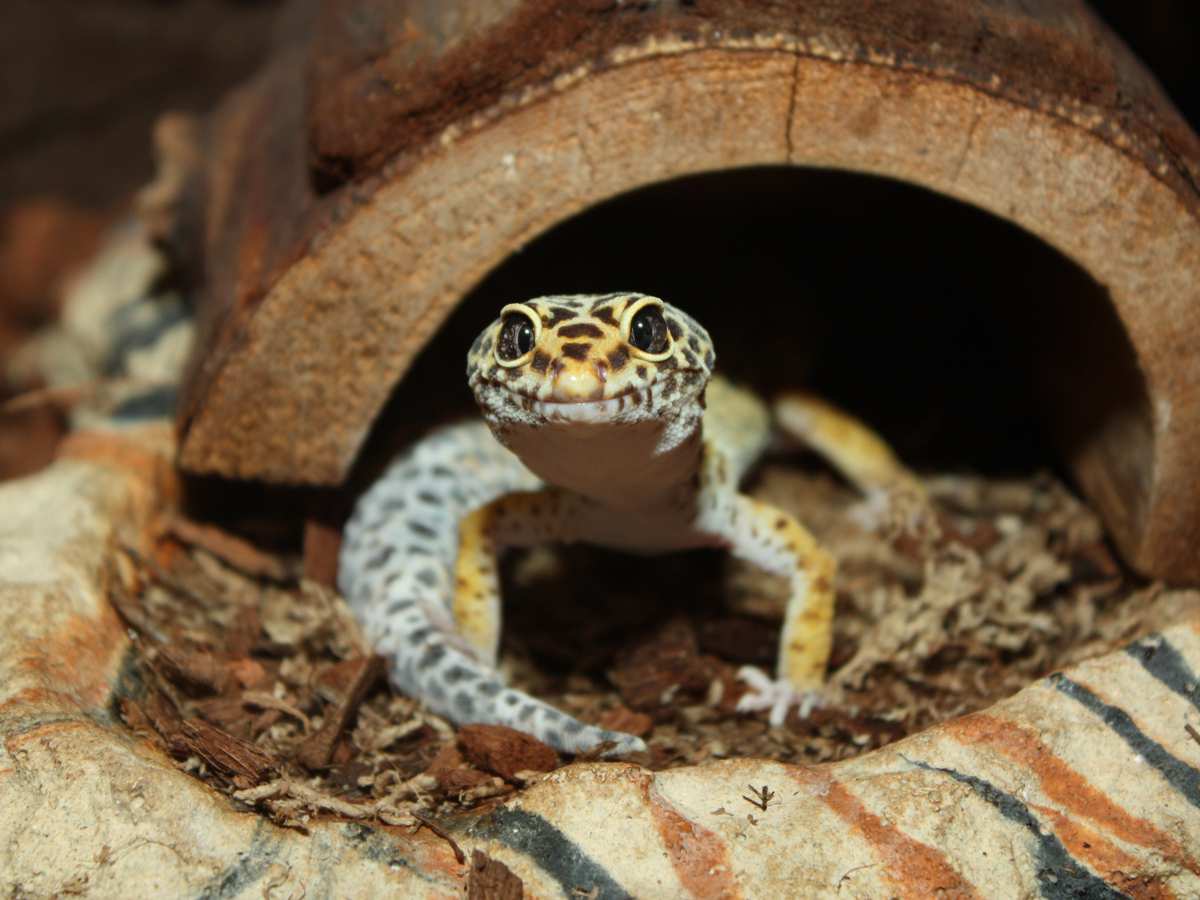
583,410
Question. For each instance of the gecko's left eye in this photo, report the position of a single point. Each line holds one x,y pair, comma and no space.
519,329
646,329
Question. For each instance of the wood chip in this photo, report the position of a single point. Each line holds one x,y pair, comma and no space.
453,773
196,669
356,677
491,879
240,761
622,718
655,672
505,751
322,544
237,552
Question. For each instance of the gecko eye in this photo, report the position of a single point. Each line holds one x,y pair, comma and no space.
648,330
518,334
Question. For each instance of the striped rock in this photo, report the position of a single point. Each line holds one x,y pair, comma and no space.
1086,783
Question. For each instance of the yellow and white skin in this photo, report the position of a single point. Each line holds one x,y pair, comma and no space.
602,424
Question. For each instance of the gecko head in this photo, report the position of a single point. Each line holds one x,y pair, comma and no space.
591,360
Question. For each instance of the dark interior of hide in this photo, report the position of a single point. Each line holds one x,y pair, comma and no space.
952,332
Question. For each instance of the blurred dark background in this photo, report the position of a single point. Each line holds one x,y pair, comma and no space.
82,84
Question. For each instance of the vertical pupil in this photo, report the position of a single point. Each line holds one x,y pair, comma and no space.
516,337
648,331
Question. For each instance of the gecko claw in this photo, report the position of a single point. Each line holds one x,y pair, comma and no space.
775,694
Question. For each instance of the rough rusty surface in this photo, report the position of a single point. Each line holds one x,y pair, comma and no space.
384,83
356,190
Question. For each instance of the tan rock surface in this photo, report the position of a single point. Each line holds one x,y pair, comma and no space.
1084,782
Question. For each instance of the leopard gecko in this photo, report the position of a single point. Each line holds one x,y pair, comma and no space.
602,423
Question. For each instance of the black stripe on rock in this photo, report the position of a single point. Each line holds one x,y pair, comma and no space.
554,853
1060,876
1168,665
1178,774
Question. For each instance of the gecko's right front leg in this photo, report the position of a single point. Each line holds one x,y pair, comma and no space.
418,566
518,519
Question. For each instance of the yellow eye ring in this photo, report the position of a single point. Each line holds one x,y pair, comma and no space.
643,327
515,337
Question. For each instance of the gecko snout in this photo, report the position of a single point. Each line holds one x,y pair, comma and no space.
577,380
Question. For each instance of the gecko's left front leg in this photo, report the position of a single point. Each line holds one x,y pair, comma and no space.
775,542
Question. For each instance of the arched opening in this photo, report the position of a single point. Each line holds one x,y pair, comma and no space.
956,334
976,349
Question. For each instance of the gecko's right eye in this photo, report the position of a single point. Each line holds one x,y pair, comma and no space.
519,329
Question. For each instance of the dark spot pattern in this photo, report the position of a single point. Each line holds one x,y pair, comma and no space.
605,314
455,674
433,655
558,315
576,351
580,329
619,357
674,327
379,559
465,703
540,361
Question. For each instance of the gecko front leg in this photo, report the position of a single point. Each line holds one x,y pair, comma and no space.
890,491
518,519
775,542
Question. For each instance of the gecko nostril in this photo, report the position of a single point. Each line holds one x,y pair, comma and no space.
601,372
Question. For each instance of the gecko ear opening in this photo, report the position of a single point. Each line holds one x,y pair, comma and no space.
520,331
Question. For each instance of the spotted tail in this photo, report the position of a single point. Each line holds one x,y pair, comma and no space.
397,571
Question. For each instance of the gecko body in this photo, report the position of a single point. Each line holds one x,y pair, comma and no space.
602,423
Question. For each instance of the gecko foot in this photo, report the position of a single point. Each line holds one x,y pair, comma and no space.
872,512
776,694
